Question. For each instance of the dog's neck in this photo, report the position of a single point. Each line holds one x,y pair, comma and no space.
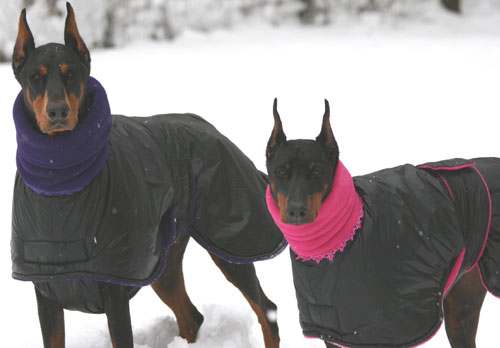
338,219
65,163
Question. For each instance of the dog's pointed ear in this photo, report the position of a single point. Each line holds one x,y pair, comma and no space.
277,136
325,137
25,44
72,37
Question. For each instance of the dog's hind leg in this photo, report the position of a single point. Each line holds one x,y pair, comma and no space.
461,310
244,277
51,317
171,289
116,307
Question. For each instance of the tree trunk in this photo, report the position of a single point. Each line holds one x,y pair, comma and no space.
451,5
28,3
308,13
108,39
53,9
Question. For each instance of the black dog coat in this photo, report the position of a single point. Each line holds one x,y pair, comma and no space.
423,227
164,176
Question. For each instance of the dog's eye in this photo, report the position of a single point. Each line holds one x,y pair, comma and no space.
281,172
316,171
37,77
70,75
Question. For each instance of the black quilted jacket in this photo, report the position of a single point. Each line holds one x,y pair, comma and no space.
164,176
386,288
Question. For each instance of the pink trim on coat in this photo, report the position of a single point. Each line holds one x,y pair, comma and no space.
489,223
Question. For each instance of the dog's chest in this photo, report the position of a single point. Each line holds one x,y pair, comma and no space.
103,231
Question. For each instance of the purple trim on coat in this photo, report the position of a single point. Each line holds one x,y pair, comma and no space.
235,260
213,250
65,163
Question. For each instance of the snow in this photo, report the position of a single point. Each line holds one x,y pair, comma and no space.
399,94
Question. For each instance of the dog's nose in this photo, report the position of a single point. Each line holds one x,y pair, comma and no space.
57,111
297,213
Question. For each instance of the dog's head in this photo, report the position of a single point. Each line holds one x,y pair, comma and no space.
53,77
301,171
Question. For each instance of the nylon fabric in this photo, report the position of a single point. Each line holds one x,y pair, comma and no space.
164,176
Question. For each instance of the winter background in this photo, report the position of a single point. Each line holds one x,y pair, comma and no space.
408,82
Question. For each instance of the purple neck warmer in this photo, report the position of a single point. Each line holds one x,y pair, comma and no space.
65,163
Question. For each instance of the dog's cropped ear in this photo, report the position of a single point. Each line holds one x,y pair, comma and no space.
72,37
25,44
326,138
277,136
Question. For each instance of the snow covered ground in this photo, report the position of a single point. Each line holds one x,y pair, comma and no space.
404,94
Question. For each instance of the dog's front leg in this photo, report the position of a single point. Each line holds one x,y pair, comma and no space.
116,307
51,316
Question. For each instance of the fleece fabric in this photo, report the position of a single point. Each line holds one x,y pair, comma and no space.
67,163
338,219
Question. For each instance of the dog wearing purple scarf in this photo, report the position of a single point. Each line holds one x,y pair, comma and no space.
105,204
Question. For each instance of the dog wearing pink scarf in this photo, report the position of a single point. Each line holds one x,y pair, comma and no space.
380,260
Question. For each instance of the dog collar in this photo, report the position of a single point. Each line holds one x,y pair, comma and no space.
66,163
338,219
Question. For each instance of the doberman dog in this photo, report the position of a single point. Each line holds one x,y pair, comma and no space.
54,80
302,174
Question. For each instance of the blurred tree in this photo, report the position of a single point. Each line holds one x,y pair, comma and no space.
112,23
162,28
28,3
308,13
315,11
108,36
376,5
53,9
452,5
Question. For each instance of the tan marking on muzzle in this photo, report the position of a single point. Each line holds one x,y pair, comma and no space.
283,206
39,106
313,206
314,203
74,104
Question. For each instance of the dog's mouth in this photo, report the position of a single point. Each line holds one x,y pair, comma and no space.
298,220
299,214
57,128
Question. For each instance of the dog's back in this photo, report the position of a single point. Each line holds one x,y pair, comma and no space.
217,186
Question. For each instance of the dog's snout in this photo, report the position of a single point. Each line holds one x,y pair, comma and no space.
297,212
57,111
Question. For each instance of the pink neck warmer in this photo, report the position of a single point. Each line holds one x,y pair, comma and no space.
338,219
